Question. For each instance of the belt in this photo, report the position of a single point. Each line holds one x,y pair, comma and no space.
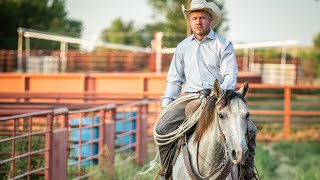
204,92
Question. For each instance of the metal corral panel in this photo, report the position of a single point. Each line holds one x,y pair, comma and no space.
281,74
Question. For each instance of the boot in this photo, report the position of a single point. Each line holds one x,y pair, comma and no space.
166,153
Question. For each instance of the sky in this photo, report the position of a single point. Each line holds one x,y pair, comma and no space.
249,20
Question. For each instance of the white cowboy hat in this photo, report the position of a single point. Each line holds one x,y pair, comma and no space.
203,5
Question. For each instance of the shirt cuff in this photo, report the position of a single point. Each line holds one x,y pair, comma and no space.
166,101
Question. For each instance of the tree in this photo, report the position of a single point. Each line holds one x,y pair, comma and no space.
175,25
125,33
171,22
43,15
120,32
316,56
316,41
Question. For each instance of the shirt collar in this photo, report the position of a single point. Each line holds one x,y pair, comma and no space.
210,35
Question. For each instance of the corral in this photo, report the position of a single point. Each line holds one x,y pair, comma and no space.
52,118
65,111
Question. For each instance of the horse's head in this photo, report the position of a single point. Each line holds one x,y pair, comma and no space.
232,114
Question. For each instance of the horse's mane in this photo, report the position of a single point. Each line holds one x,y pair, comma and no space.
208,115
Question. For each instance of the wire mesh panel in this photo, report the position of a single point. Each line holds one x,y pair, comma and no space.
25,143
86,139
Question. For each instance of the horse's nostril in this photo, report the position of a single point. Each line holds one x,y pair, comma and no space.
234,155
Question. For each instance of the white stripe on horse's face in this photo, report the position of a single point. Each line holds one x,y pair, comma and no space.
233,120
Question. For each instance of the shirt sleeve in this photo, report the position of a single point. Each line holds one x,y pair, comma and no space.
229,68
175,79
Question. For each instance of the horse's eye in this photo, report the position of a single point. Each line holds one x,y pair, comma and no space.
220,116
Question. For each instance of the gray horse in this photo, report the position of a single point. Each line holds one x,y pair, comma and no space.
219,142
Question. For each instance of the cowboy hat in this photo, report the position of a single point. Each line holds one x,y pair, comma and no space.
203,5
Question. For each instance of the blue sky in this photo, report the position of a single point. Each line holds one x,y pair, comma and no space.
249,20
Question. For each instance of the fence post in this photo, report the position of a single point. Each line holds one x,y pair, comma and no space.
48,146
145,87
59,148
142,135
59,161
287,111
106,159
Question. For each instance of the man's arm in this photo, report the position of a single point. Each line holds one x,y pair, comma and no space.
175,80
229,68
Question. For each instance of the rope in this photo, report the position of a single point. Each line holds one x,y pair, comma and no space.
186,124
184,127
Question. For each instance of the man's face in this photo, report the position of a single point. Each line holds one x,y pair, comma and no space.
200,23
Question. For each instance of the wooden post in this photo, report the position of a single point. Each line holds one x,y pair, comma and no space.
287,111
188,27
20,47
59,154
108,141
158,38
142,135
49,147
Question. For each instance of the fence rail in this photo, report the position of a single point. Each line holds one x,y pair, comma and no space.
47,61
68,150
123,129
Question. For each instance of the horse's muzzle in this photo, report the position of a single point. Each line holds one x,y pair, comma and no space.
239,155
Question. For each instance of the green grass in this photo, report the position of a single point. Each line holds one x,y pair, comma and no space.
280,160
288,160
21,164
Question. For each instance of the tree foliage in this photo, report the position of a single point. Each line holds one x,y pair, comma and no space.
168,18
316,56
123,33
175,25
43,15
316,41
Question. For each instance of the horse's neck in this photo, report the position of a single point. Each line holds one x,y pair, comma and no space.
210,152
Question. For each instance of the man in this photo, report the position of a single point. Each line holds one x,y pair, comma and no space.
198,61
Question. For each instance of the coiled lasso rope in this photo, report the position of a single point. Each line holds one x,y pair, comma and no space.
186,124
184,127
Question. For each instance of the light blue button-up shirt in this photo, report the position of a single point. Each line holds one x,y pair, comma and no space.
198,64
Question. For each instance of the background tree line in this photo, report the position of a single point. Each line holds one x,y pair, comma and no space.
51,16
43,15
169,19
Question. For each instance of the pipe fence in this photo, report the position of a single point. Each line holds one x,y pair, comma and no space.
63,144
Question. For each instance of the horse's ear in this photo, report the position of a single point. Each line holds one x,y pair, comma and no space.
244,89
216,89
